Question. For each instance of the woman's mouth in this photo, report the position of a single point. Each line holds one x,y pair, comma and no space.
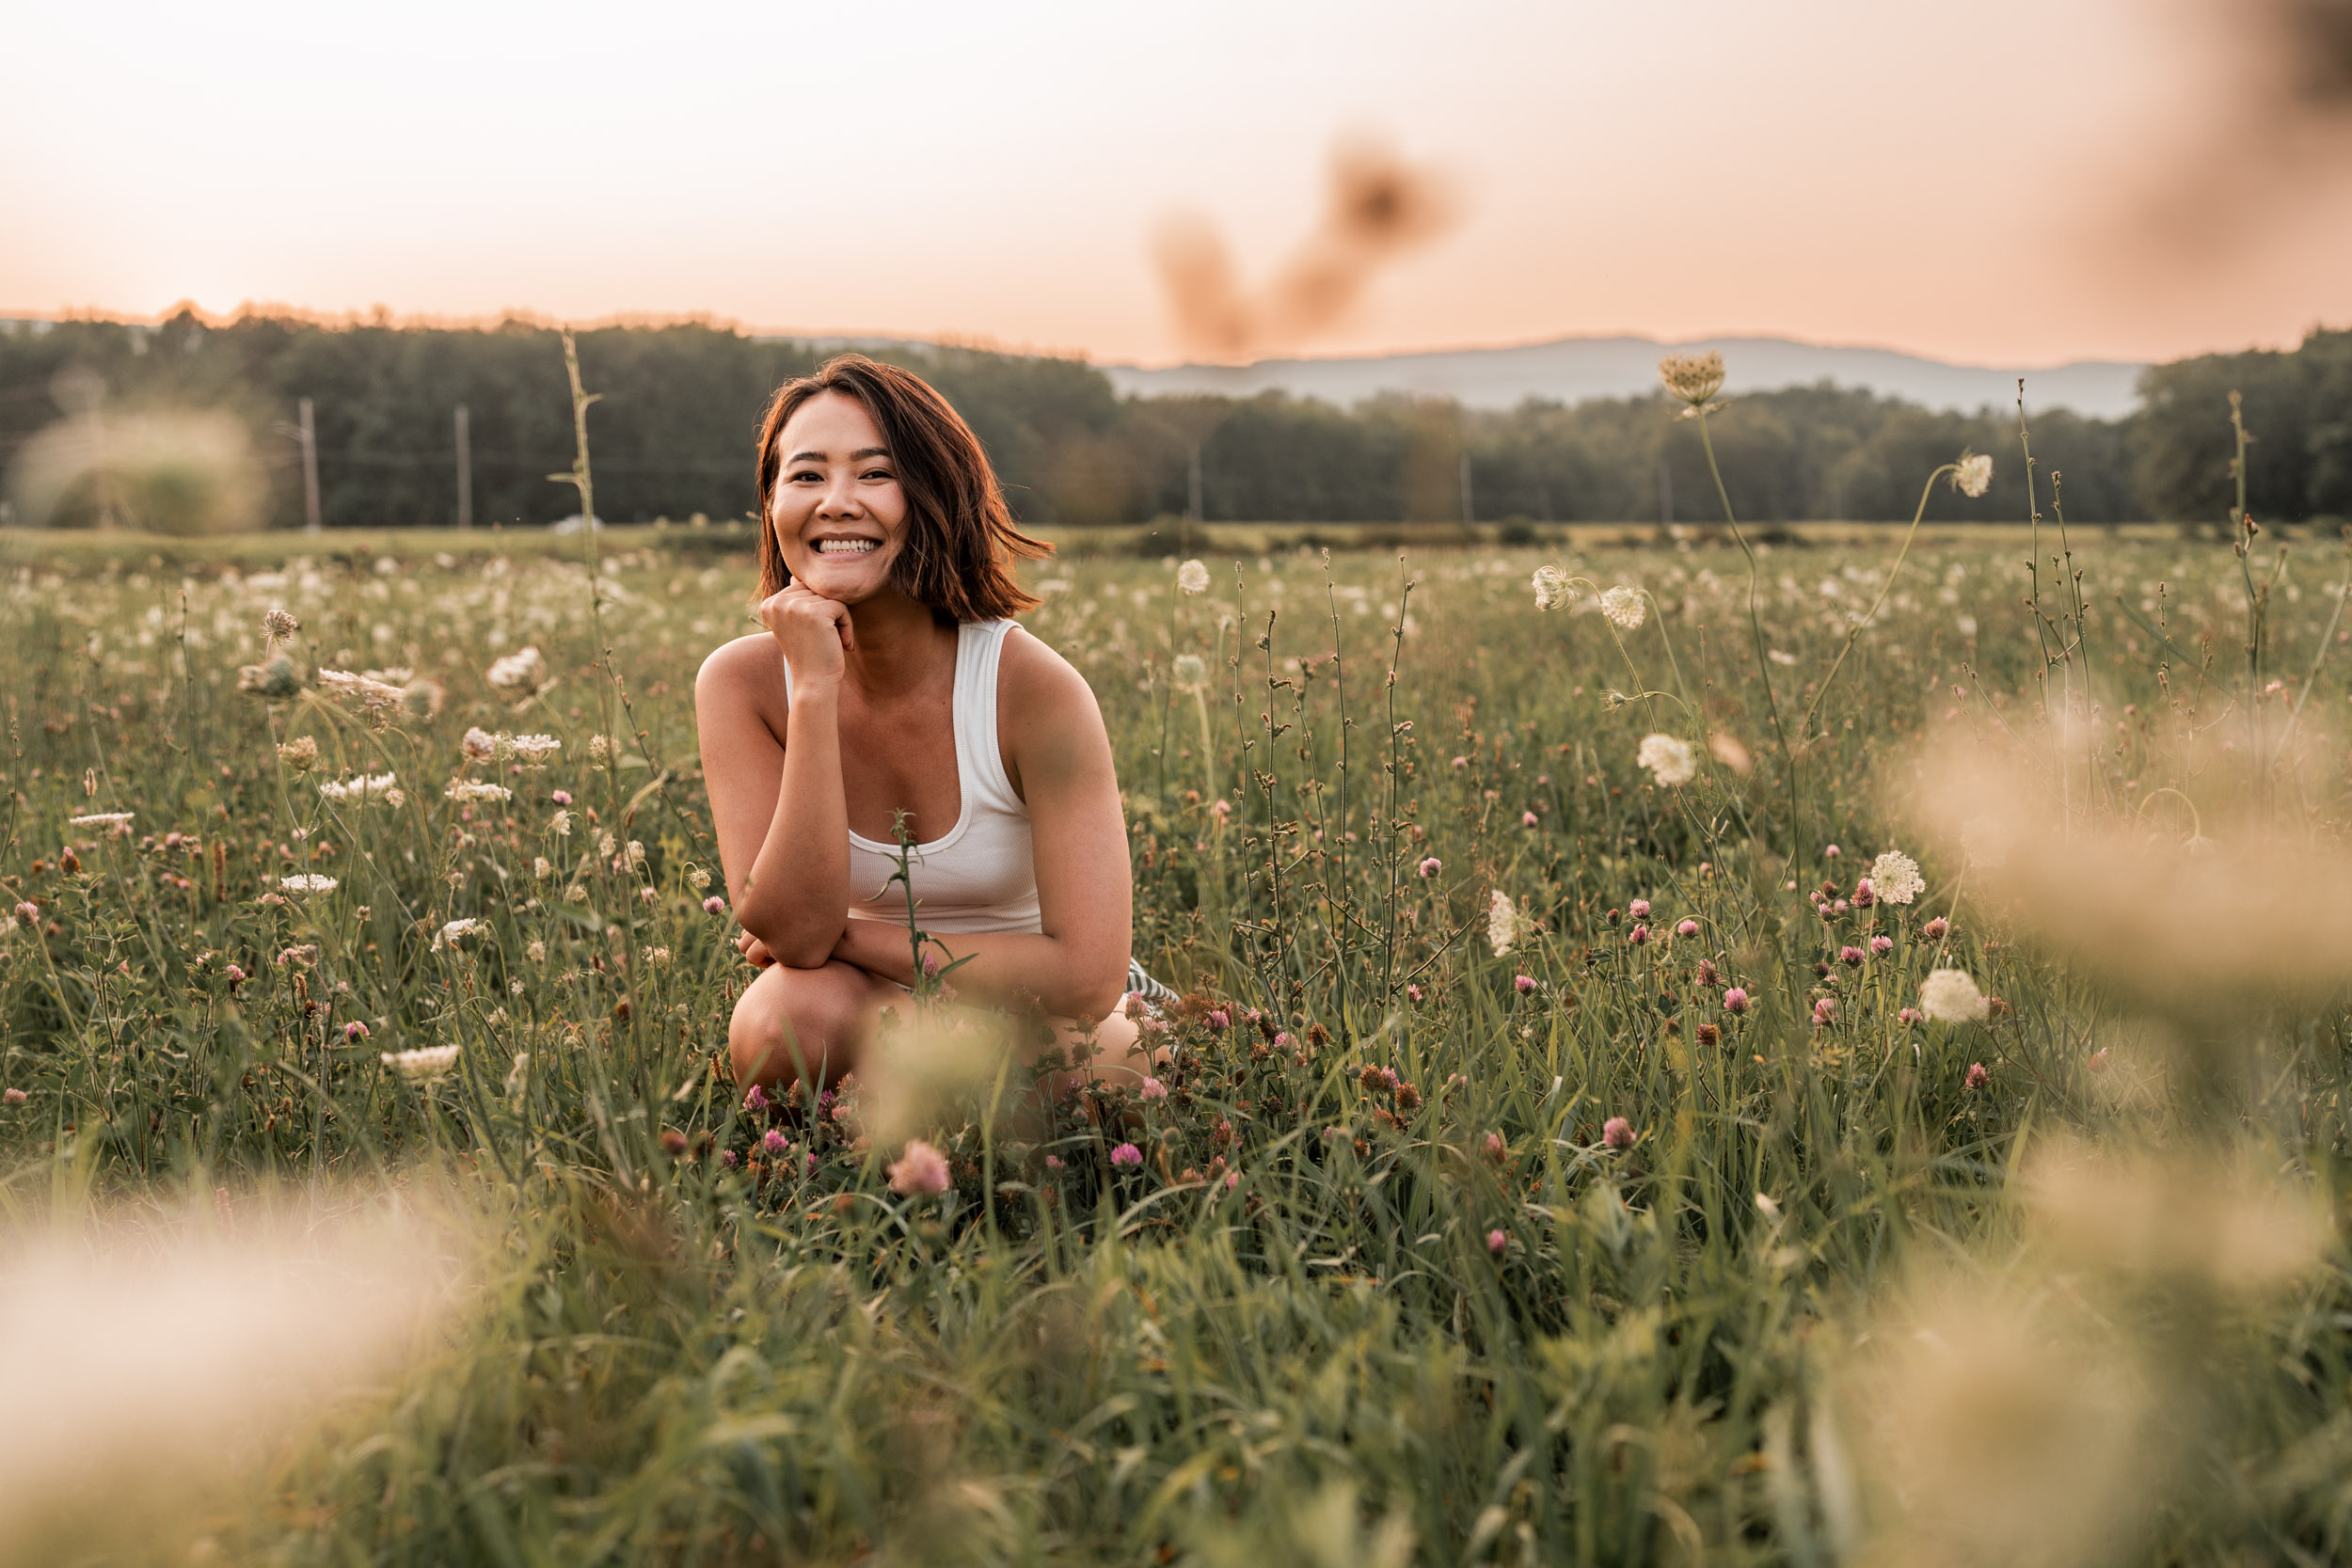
848,546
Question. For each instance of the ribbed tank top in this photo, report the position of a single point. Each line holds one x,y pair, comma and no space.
981,875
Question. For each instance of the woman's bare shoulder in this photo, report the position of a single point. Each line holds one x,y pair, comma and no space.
745,673
1034,680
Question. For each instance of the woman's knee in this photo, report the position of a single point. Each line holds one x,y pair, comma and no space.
787,1022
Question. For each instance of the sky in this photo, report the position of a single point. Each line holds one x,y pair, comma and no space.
1990,181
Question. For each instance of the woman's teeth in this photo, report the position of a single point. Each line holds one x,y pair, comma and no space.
847,546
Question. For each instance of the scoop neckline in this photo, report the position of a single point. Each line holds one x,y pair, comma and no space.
963,792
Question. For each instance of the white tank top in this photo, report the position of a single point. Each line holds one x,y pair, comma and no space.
981,875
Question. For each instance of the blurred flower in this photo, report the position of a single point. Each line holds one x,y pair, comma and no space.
561,824
373,695
1154,1089
756,1100
1126,1154
2098,1062
1694,379
478,744
278,625
1949,996
274,679
1910,1015
1551,587
1708,1034
714,905
1735,1001
1934,929
1431,866
307,882
12,1096
354,1030
1524,983
101,819
1616,1133
1496,1148
1497,1243
1638,908
920,1172
1882,945
1527,819
1864,894
1823,1007
1192,578
301,754
1668,757
1830,852
430,1061
537,951
1638,936
1189,671
524,670
1849,956
1978,1078
470,790
774,1142
1624,606
1412,993
1895,878
1503,921
1973,474
1730,752
1687,929
359,789
422,699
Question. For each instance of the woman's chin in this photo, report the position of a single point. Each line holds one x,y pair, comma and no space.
846,582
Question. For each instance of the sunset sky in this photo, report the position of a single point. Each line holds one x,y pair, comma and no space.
2002,182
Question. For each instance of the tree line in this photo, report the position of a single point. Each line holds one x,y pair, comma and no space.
673,430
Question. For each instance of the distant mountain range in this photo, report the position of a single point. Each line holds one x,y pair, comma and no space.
1573,369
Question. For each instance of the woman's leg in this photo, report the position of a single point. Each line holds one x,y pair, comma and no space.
813,1020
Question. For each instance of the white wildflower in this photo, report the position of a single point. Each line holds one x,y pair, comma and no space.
456,932
1193,578
636,855
1973,474
537,951
1949,996
278,625
1502,921
1625,607
359,789
698,878
605,844
1669,757
532,751
101,819
517,1075
373,695
1728,752
1189,671
541,868
1692,377
309,882
1895,878
657,957
430,1061
468,790
1551,587
561,823
479,745
525,671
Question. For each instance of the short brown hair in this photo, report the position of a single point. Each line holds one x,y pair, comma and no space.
960,542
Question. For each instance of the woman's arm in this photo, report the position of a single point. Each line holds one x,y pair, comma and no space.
782,827
1060,759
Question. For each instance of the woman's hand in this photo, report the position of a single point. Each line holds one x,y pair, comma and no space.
814,632
753,949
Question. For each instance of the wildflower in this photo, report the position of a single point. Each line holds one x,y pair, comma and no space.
1192,578
1766,1208
422,698
1694,379
359,789
478,744
1638,936
1054,1162
524,670
307,882
1527,819
101,819
1822,1008
1933,930
2099,1060
1154,1089
430,1061
1502,921
561,824
774,1142
301,754
373,695
1735,1001
714,905
1188,671
1730,752
1882,945
354,1030
657,957
1830,852
532,751
1616,1133
469,790
1524,983
1638,908
278,625
1687,929
562,796
674,1143
273,680
635,855
1497,1243
301,957
1978,1078
1708,1034
456,932
1850,956
1949,996
1668,757
1413,993
1895,878
602,749
1551,587
1973,474
1431,866
12,1096
1495,1145
1624,606
234,976
537,951
1707,975
1126,1154
1864,894
920,1172
1910,1015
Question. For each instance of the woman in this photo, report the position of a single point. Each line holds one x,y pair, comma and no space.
891,687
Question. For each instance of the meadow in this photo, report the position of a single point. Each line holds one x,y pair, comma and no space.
1561,1157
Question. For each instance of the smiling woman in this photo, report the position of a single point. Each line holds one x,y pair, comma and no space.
891,687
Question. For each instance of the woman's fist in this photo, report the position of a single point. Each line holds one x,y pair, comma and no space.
814,631
753,949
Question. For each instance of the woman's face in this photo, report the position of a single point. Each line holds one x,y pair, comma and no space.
839,516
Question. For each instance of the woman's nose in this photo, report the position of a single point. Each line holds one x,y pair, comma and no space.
840,496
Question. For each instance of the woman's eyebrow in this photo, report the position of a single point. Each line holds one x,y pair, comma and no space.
819,457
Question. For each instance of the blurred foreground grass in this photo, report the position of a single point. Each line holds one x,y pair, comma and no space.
1389,1281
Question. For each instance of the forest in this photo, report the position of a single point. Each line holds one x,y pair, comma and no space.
191,426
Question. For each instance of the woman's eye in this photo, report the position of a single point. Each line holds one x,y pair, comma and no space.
880,474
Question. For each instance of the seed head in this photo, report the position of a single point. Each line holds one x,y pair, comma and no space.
1192,578
1694,379
1973,474
1669,758
1551,587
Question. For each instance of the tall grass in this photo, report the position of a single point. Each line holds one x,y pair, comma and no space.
1381,1288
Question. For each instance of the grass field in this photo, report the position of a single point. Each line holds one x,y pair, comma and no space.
1466,1231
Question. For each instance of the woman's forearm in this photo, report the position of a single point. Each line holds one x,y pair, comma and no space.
1068,977
797,895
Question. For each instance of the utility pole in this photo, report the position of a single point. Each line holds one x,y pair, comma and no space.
309,435
464,470
1469,514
